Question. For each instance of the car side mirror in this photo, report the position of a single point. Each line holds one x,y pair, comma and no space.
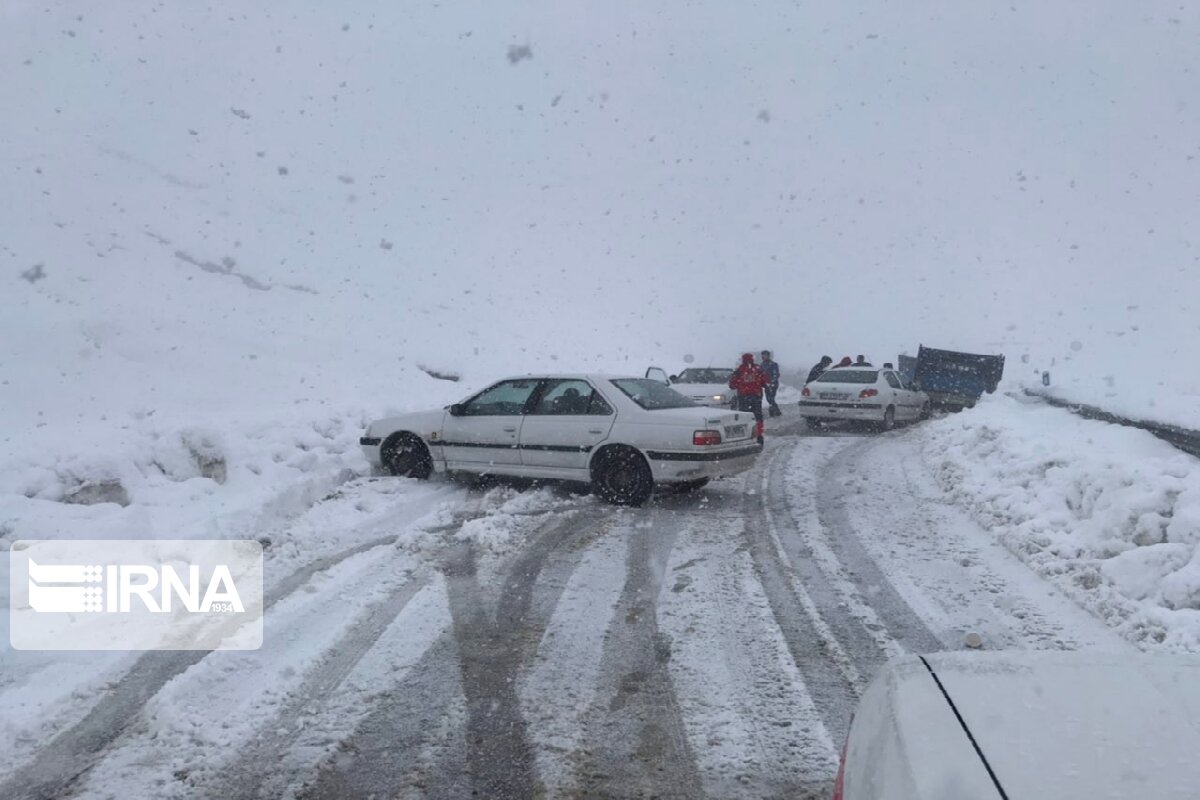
672,379
457,410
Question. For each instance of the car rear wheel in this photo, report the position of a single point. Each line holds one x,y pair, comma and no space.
406,456
889,419
622,477
813,423
926,411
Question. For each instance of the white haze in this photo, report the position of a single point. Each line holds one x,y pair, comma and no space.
488,188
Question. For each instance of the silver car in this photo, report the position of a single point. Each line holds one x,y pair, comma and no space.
1026,726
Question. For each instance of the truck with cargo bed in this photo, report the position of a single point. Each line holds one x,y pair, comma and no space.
952,379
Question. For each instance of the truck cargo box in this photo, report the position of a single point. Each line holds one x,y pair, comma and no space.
953,379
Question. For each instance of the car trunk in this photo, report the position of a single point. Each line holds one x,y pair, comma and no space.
734,426
832,392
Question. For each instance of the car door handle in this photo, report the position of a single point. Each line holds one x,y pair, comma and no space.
595,430
510,430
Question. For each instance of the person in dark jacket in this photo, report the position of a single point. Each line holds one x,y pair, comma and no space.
771,370
861,361
818,368
749,381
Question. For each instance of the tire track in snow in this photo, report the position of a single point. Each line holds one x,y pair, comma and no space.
840,550
464,691
558,685
829,669
254,774
184,741
410,745
751,722
491,649
634,742
69,756
954,574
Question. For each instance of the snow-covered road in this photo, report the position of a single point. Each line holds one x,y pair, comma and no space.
437,640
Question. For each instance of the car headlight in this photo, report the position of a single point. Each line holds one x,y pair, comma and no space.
720,398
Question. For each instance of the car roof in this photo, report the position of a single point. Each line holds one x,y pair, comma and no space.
1081,724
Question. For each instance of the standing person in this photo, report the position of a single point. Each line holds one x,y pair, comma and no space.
749,381
845,362
771,370
861,361
818,368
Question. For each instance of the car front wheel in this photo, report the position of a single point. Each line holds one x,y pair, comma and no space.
406,456
622,477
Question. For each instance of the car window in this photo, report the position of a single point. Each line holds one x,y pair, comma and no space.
598,406
892,380
505,399
651,395
848,376
571,396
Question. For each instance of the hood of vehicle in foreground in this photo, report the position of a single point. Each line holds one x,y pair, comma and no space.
1081,725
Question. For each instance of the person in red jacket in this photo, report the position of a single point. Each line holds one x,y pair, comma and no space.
749,381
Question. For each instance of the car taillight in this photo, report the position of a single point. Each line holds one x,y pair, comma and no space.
706,437
868,393
805,392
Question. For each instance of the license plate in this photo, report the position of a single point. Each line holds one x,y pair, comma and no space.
735,431
834,396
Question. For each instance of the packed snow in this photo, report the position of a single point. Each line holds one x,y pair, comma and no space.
1110,514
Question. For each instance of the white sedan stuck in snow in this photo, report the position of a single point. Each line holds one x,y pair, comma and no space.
1023,726
622,435
862,394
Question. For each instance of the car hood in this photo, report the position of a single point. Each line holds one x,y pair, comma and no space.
693,389
423,423
1081,725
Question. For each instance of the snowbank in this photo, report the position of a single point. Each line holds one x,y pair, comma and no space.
1109,514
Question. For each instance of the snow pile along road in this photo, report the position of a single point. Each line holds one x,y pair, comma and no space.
1109,514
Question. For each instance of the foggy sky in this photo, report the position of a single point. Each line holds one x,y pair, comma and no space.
648,183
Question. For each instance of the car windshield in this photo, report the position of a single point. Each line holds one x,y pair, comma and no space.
705,375
849,376
652,395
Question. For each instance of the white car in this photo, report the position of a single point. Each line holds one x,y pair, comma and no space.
622,435
863,394
708,386
1026,726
